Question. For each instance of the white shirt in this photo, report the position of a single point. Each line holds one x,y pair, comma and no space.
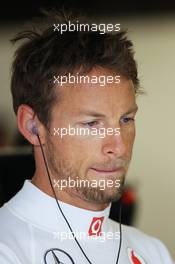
33,231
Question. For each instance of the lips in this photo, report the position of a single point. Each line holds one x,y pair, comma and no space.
107,170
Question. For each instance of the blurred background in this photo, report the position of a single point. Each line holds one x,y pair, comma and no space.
149,198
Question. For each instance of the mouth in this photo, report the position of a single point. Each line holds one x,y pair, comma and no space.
108,171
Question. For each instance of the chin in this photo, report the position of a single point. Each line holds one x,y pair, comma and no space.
101,196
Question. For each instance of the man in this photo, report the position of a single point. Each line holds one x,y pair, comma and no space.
74,93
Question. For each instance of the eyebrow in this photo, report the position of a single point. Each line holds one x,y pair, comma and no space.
132,110
97,114
92,113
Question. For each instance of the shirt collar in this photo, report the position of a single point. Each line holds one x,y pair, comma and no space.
41,210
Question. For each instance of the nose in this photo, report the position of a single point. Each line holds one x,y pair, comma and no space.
114,145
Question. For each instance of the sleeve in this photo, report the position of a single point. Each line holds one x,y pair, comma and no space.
7,256
163,252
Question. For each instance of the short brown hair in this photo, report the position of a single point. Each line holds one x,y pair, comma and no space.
47,53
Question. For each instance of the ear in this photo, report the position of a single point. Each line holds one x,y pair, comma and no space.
26,118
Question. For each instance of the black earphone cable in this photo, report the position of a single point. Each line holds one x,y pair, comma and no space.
120,231
49,177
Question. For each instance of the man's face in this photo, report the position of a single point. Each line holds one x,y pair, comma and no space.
101,161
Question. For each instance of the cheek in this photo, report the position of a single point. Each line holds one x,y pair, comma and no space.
77,150
129,137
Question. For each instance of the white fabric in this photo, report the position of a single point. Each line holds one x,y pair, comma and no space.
31,225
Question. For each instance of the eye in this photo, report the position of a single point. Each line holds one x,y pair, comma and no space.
91,123
126,120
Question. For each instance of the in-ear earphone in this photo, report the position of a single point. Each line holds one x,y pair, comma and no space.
32,128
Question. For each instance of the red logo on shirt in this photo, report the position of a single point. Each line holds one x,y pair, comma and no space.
95,227
134,257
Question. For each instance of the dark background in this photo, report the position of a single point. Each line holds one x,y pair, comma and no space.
23,10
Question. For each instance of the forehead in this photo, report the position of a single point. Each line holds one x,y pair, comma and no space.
110,97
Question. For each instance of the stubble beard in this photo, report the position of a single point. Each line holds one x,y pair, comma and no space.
61,169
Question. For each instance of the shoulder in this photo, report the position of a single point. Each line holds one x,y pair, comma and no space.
7,255
136,238
11,226
14,236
